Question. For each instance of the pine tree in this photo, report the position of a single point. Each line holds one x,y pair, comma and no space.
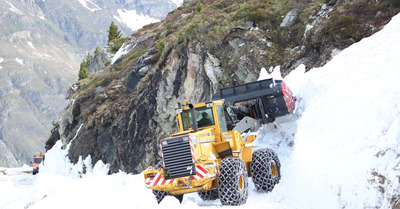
199,6
89,59
113,32
97,50
83,70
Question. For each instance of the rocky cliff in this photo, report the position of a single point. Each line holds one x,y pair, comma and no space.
119,114
42,43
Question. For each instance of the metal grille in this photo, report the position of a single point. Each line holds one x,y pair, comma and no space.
178,158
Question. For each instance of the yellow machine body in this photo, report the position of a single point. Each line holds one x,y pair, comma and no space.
208,145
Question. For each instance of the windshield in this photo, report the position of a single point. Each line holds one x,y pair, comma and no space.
204,118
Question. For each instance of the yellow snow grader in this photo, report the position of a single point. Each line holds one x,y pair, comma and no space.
212,152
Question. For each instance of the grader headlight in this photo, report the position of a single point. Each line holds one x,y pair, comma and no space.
150,175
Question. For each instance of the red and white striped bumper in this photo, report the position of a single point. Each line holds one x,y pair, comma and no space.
202,174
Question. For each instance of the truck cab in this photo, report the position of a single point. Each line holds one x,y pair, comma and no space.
202,116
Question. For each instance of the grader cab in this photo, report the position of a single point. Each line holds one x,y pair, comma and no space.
212,153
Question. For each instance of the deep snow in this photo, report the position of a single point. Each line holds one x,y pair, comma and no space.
340,149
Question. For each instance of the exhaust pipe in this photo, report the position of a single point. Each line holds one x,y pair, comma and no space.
194,120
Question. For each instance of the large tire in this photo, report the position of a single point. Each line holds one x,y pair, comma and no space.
211,194
233,182
265,169
161,194
35,171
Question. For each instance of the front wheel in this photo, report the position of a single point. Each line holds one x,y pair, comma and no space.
35,171
265,169
233,182
161,194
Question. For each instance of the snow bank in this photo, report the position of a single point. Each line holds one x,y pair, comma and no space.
343,144
273,73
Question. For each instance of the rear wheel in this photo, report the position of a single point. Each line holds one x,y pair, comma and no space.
211,194
233,182
265,169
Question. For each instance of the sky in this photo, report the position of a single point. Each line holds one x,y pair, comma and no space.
339,150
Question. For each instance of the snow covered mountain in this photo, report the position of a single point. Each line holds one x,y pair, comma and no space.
340,149
42,43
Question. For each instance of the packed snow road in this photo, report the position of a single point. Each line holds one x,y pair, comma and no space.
15,185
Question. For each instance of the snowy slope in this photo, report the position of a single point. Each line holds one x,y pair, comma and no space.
89,5
349,132
340,150
177,2
134,20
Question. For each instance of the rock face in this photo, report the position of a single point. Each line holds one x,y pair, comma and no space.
127,138
100,60
42,43
290,18
123,111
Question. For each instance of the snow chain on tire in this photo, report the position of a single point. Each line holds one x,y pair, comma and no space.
233,182
161,194
265,169
211,194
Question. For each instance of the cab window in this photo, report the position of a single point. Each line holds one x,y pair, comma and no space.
38,160
186,120
221,118
204,116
